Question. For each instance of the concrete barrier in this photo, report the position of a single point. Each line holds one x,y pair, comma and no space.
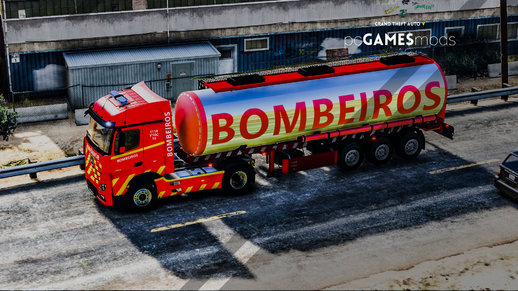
80,117
494,70
451,80
42,113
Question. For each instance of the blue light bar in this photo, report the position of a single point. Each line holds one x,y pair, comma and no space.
123,101
115,93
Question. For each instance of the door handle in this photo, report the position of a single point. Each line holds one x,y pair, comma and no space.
138,164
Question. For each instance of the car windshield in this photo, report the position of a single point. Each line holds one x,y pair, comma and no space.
511,162
100,136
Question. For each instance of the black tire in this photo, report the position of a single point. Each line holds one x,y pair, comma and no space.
409,146
140,197
239,178
380,151
351,156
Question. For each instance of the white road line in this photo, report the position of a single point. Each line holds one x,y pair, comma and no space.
224,234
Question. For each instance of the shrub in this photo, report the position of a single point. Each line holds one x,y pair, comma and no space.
7,120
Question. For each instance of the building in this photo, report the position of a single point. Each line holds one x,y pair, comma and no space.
249,35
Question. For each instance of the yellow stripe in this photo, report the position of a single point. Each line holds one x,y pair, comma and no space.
114,181
134,151
191,177
201,220
160,170
215,185
202,187
161,194
124,185
89,170
147,171
440,171
188,189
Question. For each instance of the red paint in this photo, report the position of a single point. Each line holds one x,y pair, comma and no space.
401,99
243,128
322,114
344,109
363,113
350,69
190,118
217,128
280,114
432,96
379,105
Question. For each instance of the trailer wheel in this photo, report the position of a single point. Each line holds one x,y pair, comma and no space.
380,151
238,178
410,145
351,156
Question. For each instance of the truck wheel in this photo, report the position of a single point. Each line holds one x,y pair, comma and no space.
410,145
350,157
380,151
141,197
238,179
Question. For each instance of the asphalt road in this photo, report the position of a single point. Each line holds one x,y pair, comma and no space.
309,230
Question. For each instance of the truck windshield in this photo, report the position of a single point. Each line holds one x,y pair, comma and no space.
100,136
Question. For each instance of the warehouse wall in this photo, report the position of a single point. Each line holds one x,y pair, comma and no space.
284,49
202,22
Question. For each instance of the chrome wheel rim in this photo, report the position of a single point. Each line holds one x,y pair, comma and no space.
238,180
352,157
411,146
142,197
382,152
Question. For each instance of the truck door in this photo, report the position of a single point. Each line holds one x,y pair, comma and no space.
128,157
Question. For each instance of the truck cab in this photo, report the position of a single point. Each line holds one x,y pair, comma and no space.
130,135
130,154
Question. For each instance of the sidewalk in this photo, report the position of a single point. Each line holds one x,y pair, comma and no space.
42,141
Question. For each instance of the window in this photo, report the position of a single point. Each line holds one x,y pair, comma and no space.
487,32
127,140
512,30
226,53
421,37
257,44
457,32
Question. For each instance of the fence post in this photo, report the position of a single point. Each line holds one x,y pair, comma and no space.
505,97
475,89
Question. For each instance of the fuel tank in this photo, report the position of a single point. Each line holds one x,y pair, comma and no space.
208,121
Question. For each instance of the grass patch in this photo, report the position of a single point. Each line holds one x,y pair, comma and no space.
15,163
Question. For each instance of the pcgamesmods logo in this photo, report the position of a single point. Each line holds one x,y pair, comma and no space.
399,39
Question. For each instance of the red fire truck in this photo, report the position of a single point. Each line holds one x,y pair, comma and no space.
137,151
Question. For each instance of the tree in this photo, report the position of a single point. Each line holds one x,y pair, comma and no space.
7,120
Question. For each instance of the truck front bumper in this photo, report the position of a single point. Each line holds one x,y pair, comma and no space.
105,199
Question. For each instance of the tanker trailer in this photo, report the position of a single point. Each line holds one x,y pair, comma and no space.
389,100
299,119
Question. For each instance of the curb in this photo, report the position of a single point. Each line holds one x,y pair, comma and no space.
41,113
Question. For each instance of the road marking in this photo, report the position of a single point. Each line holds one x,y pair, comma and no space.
224,234
201,220
440,171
